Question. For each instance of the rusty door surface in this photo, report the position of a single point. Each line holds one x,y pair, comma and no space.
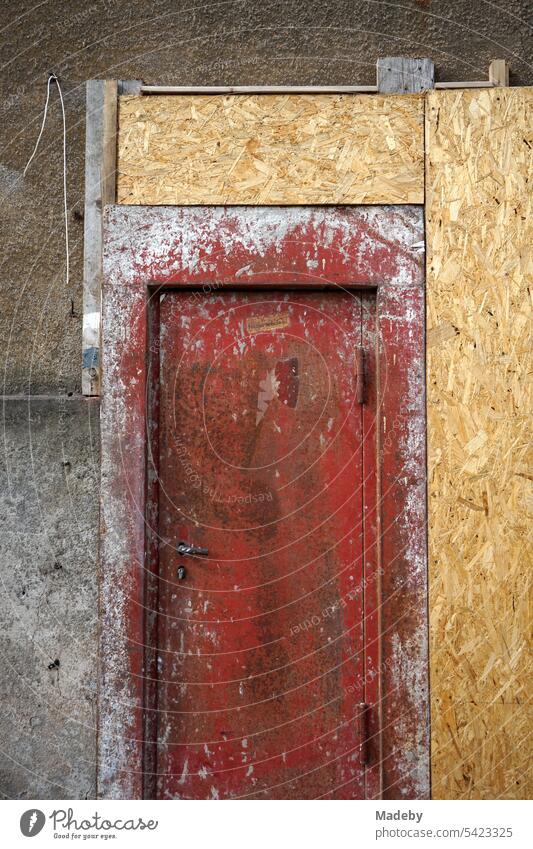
263,546
261,641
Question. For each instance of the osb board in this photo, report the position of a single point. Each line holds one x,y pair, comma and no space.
271,149
489,757
479,181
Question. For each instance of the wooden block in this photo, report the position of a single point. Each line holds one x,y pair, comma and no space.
499,72
129,87
398,75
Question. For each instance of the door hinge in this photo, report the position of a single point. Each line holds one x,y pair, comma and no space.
360,375
364,728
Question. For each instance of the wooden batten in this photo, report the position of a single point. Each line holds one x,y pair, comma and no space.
270,149
100,185
479,218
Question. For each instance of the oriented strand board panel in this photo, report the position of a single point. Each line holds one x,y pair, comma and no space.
479,193
271,149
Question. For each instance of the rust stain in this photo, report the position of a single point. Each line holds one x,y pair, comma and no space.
264,323
288,381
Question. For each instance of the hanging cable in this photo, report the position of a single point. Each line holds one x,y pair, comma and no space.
53,78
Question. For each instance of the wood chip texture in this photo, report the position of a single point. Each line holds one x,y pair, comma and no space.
270,149
479,183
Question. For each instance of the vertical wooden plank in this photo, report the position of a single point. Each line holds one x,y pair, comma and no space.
499,72
100,187
479,215
398,75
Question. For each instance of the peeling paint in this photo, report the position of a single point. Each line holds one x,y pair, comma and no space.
376,247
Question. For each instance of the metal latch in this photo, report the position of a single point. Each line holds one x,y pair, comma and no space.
185,548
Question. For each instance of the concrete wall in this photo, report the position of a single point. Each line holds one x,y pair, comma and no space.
49,499
48,514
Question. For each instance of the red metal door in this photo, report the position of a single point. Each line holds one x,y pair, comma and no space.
232,420
261,643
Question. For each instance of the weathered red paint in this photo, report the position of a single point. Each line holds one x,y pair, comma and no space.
148,250
261,644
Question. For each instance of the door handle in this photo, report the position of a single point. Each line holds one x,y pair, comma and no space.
185,548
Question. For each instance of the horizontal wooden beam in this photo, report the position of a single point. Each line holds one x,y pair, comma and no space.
466,84
258,89
281,89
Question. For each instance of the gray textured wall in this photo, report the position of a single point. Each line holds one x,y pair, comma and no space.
49,466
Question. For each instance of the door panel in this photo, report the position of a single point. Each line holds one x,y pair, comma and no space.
261,654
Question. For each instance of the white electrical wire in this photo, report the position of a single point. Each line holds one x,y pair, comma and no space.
53,78
50,78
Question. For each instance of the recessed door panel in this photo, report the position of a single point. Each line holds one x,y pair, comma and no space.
261,641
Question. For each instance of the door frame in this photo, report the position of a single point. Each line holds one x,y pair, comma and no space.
202,249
